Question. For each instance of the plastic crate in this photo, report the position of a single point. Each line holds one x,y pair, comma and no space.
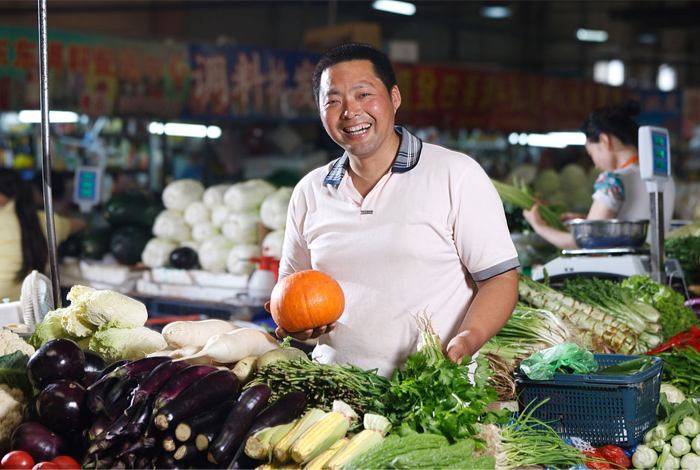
601,409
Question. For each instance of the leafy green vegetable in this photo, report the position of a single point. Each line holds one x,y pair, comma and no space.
687,251
432,394
682,369
519,196
675,316
13,372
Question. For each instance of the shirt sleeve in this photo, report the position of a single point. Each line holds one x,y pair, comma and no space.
61,224
609,190
295,252
481,233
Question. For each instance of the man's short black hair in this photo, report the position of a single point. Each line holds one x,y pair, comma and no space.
355,51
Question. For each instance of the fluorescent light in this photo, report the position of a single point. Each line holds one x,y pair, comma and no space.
522,139
513,138
213,132
495,11
558,140
591,35
395,6
33,116
181,129
666,78
616,72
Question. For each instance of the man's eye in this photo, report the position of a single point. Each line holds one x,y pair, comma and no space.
364,95
331,103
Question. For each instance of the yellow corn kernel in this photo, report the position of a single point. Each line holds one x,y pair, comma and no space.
319,463
376,426
280,451
259,446
323,434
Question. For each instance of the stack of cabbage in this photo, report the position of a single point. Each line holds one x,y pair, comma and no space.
106,322
222,224
571,188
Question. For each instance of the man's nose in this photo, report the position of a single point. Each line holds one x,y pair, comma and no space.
351,110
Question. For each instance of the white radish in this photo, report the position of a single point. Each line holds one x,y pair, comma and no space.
182,334
233,346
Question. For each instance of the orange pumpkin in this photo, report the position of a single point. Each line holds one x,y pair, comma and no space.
305,300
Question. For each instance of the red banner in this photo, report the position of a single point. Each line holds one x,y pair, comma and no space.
463,98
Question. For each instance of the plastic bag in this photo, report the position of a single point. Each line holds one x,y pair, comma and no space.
567,358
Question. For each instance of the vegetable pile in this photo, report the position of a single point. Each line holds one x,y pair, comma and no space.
682,369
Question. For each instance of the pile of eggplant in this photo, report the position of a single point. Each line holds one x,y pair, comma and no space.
156,413
59,371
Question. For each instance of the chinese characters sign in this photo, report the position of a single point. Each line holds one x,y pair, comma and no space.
458,97
245,82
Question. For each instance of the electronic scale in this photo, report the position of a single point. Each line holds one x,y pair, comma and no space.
621,262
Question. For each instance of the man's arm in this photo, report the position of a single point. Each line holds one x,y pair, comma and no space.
489,311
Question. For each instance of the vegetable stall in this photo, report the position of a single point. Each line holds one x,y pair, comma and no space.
93,386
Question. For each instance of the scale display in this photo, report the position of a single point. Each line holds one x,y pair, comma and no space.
659,148
87,189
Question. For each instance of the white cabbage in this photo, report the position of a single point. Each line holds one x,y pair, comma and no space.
178,194
273,211
219,214
170,225
248,195
242,228
204,231
196,213
272,244
214,195
213,254
238,261
157,252
190,244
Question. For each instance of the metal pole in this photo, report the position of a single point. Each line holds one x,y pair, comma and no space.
658,268
46,153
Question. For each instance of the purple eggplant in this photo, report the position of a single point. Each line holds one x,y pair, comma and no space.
94,365
156,380
237,423
55,360
96,393
61,406
204,439
38,440
180,382
213,388
284,410
186,453
209,419
98,426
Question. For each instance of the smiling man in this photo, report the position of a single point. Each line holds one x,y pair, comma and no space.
403,226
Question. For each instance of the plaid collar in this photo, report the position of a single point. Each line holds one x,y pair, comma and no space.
406,158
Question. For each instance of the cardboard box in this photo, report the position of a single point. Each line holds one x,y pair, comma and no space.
323,38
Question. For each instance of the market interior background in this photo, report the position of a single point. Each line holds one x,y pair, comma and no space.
507,83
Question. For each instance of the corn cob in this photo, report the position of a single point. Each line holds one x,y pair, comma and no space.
319,462
324,433
280,451
259,446
376,427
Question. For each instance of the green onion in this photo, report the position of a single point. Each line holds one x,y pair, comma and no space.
520,197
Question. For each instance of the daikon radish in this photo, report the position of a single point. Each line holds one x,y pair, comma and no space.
233,346
182,352
181,334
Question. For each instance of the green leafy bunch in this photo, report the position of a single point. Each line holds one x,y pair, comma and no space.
432,394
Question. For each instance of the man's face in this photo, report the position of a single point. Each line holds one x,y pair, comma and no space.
356,109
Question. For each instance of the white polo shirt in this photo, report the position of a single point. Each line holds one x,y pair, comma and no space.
416,242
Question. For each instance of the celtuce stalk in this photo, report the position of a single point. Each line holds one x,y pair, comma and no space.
613,334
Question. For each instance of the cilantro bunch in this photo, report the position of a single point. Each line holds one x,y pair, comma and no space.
431,394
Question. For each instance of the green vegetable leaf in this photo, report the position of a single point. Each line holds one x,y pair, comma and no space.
13,372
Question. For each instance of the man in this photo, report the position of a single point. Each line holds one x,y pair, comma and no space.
402,225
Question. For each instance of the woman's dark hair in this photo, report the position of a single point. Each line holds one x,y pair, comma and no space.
614,120
355,51
34,246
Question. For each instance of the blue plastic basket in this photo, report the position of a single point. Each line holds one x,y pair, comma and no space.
601,409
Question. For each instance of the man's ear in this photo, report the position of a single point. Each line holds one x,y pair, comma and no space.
395,97
605,140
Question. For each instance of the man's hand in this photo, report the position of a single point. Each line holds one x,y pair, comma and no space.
460,346
305,334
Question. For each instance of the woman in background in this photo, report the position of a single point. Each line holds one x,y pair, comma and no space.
619,192
23,246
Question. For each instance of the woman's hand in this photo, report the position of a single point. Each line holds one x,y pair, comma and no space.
534,218
306,334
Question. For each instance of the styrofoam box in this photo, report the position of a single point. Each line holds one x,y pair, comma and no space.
227,295
195,277
107,273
